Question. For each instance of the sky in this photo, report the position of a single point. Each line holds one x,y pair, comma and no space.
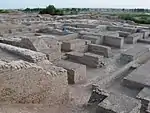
15,4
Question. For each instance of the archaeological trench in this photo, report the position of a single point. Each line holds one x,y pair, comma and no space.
73,64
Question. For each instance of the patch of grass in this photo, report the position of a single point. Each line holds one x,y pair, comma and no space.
140,18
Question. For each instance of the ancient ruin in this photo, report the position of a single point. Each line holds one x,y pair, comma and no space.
73,64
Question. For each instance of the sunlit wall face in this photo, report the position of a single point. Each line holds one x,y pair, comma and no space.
76,3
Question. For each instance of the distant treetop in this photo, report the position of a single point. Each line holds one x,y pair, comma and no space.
52,11
33,10
55,11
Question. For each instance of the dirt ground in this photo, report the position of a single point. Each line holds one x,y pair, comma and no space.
79,93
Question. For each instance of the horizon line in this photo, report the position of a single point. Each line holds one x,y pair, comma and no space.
78,8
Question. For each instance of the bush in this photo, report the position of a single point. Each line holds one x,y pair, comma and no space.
32,10
51,10
3,11
136,17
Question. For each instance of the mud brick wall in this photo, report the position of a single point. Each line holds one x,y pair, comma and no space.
68,37
24,53
124,34
26,83
93,39
133,38
100,49
88,59
76,72
114,41
146,33
75,45
11,41
78,25
116,103
133,53
50,47
120,28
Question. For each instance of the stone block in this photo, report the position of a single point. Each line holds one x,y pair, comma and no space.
76,72
123,34
145,41
133,53
146,33
52,55
75,56
119,104
100,49
139,78
88,59
117,42
93,60
74,45
133,38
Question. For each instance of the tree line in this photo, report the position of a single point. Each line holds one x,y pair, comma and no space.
137,10
55,11
4,11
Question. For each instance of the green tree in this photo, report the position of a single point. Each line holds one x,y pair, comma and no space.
67,9
48,10
51,10
123,9
73,9
27,9
59,12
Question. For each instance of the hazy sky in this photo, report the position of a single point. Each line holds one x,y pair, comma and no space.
76,3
